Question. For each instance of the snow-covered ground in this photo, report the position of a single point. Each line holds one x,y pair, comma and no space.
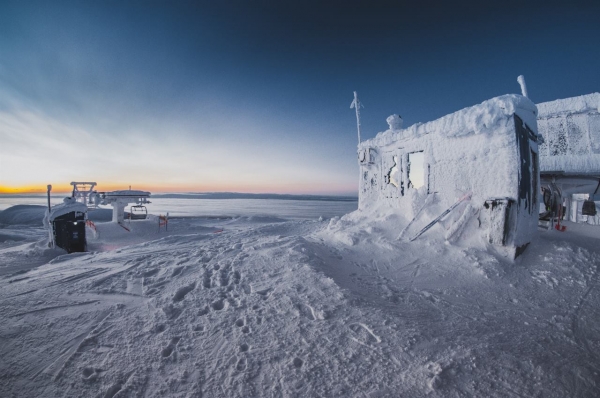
267,307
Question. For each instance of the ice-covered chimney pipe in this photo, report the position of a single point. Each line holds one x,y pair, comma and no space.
521,80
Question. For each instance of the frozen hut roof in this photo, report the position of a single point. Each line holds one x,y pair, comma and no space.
561,107
479,119
68,205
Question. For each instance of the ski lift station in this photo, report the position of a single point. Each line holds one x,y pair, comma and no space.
84,192
66,221
492,154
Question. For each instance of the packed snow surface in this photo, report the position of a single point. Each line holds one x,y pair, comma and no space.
264,307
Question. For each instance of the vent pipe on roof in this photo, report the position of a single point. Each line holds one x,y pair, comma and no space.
521,80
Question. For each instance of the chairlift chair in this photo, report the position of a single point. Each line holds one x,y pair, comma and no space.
589,207
138,212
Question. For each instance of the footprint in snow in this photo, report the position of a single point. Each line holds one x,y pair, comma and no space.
264,293
224,278
206,281
168,350
236,277
183,291
177,271
90,374
160,328
219,305
203,311
241,364
247,289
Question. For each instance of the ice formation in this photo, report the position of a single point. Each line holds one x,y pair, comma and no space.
488,151
571,130
570,153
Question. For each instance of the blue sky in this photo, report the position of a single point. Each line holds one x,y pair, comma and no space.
254,96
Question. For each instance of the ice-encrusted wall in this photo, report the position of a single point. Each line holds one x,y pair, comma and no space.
571,131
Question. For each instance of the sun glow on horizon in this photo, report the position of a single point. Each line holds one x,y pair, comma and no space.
297,189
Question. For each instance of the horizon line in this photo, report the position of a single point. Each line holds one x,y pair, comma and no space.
57,192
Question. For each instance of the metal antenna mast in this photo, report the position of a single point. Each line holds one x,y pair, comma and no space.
356,104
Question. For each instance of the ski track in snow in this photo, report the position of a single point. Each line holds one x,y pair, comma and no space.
291,309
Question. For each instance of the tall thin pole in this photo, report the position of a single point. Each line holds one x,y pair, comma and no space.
356,104
49,189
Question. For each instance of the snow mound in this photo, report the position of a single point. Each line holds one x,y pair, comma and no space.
23,215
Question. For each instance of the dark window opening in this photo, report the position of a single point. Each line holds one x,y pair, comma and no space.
393,176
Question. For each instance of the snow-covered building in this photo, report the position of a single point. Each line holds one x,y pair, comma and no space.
488,151
570,153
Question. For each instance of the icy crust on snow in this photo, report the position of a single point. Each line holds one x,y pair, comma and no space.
479,119
561,107
69,205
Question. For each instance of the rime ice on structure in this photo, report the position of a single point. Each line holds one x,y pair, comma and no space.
489,150
571,131
570,153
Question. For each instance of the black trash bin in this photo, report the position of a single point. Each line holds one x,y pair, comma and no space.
69,231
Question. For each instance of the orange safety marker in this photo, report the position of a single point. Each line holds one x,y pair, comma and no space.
91,224
163,220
